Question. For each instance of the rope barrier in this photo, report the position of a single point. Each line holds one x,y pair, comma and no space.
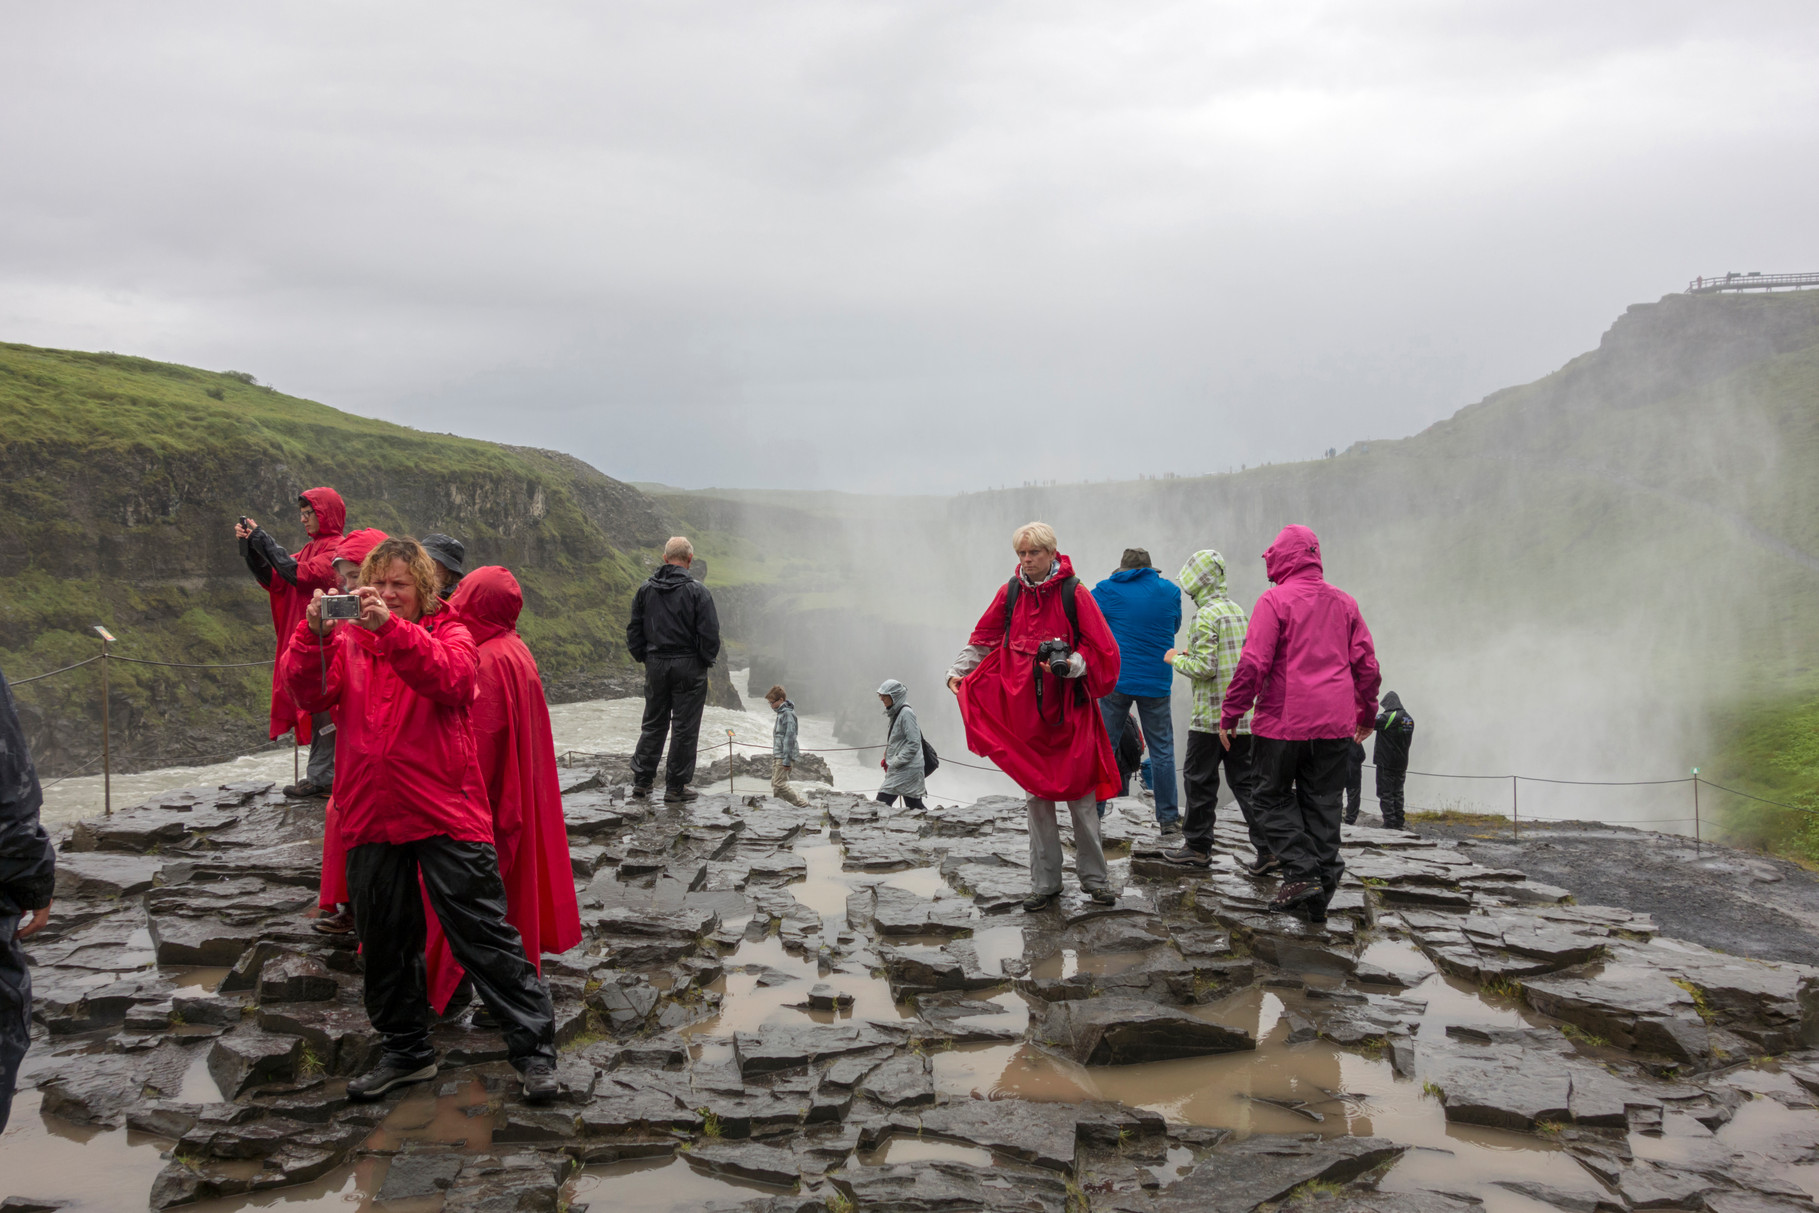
186,665
1780,804
19,682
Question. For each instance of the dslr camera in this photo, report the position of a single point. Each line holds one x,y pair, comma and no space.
336,607
1054,654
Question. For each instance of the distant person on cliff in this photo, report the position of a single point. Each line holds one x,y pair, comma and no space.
1026,680
1310,669
334,916
1395,734
450,557
1354,781
675,632
1208,659
1143,609
784,750
290,579
28,870
903,762
416,816
517,753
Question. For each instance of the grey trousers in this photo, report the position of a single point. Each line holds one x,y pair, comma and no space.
321,769
1045,845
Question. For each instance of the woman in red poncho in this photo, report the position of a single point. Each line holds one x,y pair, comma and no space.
518,764
291,579
1041,725
333,917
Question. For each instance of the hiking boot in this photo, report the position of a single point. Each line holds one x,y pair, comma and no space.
1039,901
306,790
1296,894
1102,895
540,1085
641,791
1263,865
341,922
483,1017
1169,829
390,1072
1187,857
680,795
1351,817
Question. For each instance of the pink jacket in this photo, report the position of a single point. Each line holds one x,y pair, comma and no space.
1308,661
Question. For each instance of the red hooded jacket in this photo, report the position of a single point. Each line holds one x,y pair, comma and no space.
315,571
518,763
1308,660
405,766
333,886
1050,760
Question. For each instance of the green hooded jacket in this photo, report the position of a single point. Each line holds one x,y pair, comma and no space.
1215,640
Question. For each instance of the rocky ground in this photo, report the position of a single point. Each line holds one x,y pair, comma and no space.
842,1008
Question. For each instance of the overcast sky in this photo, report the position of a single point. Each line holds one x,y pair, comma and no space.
919,246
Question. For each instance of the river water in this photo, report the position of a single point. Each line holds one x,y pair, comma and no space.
608,726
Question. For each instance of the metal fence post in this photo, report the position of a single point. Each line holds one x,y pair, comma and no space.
1515,809
1698,845
107,766
729,762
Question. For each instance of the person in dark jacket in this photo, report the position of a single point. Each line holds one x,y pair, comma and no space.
675,632
1144,610
28,869
450,558
1395,733
1354,781
290,579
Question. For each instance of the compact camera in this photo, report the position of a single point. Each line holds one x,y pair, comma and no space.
1054,654
340,606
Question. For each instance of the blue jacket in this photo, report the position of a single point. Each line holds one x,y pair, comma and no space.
1144,610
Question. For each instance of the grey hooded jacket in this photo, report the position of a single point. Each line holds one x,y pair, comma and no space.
902,745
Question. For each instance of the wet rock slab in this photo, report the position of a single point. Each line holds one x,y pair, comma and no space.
1127,1031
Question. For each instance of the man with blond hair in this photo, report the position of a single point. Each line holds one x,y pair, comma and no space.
1027,680
675,633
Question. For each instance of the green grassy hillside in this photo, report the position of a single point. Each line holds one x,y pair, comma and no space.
121,478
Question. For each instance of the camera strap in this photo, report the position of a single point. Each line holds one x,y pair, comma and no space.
1069,604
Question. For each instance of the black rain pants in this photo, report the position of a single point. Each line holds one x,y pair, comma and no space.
464,888
15,1011
1299,788
675,692
1390,783
1200,777
1354,781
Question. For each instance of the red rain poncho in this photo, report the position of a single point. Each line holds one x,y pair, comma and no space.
1051,761
1308,660
315,571
333,886
518,763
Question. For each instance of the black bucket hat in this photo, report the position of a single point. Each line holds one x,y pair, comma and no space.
446,551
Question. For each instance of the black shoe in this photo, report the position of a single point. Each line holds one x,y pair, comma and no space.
1297,893
307,790
1102,895
1039,901
1187,857
641,791
483,1017
390,1072
1263,865
1351,819
1169,829
540,1085
680,796
1316,909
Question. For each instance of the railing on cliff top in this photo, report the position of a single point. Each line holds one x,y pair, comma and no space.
1751,282
107,656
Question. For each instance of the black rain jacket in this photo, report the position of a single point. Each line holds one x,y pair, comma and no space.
673,616
28,863
1395,730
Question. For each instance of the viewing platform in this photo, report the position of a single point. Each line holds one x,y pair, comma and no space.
1751,282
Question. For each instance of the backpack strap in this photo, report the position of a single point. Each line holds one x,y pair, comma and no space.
1010,604
1069,603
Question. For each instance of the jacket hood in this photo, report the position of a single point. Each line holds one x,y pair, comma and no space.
897,691
1296,550
356,545
331,511
1393,702
1134,574
1203,576
488,600
670,577
1064,568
